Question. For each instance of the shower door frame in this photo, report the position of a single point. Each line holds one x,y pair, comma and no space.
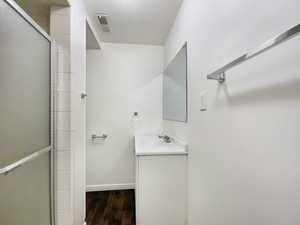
32,23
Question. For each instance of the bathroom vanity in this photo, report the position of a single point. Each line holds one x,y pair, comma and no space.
161,181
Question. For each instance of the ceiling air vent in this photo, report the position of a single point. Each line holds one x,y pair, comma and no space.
104,24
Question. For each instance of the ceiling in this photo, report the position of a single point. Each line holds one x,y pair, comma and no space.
135,21
39,10
40,6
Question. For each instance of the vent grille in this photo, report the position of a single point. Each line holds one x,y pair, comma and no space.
103,20
104,23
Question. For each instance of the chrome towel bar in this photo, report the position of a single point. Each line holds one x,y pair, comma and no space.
219,74
19,163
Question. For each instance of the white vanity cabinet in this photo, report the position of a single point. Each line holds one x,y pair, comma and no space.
161,182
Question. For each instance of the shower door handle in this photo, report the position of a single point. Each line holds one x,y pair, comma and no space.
6,170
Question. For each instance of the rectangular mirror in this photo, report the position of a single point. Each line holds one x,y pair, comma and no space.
175,88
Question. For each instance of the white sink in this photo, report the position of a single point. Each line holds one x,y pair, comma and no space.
153,145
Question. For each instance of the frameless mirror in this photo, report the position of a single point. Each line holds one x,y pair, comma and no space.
175,88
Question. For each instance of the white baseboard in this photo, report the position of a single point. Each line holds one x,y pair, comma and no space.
109,187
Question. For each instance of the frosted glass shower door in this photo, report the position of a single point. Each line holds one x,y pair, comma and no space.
25,119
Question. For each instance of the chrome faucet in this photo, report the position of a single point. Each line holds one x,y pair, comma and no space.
165,138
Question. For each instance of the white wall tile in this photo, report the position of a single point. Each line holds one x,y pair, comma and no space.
64,203
64,42
58,10
63,218
63,62
63,81
60,24
63,120
63,101
60,31
63,180
63,160
62,139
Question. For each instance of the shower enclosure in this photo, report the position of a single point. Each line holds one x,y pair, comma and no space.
26,153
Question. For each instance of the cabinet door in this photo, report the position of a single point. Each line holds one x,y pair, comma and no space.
162,190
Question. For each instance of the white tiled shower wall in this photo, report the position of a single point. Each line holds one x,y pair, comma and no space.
60,32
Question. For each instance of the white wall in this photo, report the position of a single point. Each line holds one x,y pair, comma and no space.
78,70
244,151
121,79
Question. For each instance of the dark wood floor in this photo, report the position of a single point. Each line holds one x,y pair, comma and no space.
110,208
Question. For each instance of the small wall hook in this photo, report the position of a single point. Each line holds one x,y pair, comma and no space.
83,95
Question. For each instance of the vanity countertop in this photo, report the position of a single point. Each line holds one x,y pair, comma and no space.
153,145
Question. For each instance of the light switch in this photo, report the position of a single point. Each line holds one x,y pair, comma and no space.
203,101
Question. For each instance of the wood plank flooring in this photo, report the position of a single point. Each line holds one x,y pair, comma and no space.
110,208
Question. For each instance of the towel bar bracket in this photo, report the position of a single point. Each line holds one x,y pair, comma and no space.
220,77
